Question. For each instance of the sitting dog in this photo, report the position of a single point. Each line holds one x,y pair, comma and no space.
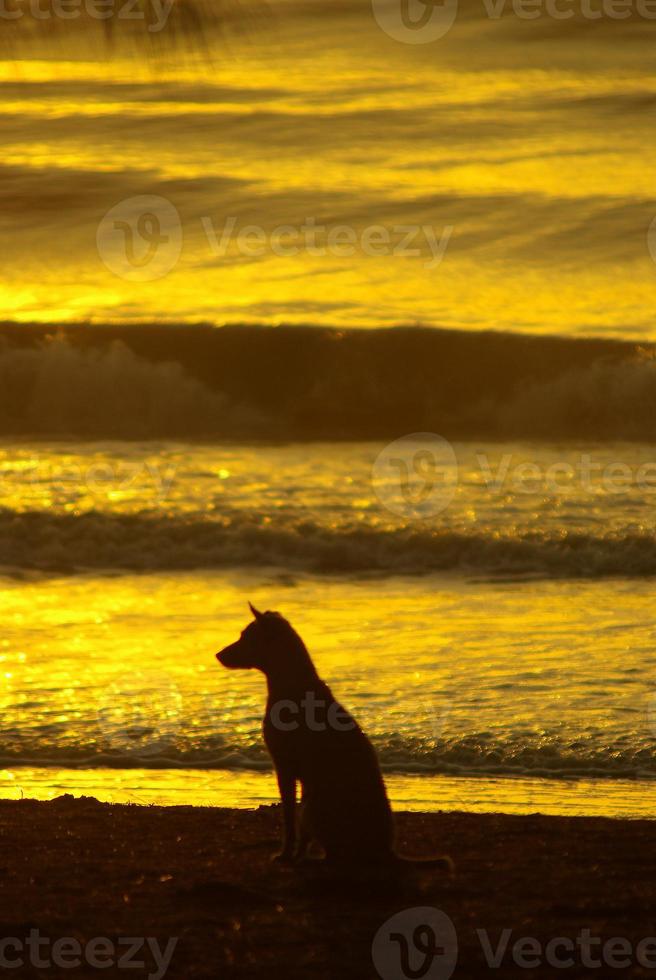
314,741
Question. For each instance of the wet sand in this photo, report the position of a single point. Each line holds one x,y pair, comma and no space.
79,869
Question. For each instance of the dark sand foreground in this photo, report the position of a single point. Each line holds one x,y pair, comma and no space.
81,869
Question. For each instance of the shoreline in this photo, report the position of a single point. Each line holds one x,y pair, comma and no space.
244,789
83,869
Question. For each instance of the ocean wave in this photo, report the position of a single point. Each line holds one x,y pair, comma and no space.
470,755
314,383
94,541
59,390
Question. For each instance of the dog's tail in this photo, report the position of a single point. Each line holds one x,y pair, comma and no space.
427,864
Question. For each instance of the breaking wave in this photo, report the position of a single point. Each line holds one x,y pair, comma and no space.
68,543
58,390
482,754
313,383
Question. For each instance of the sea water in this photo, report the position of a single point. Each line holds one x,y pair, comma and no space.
500,653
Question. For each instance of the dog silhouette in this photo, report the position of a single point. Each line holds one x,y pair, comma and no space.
316,742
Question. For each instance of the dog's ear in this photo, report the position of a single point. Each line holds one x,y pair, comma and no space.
256,612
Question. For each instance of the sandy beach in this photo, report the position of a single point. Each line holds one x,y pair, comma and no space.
77,869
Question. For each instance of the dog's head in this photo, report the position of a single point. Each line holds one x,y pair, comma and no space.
260,644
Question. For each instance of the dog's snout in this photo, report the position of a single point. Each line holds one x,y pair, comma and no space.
228,656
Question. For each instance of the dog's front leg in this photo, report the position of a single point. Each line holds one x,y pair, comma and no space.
305,834
287,787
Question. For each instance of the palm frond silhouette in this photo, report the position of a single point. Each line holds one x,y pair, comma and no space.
142,25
